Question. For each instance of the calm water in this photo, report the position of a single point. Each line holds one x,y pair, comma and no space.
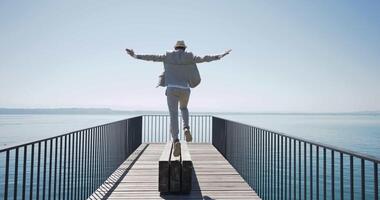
356,132
16,129
360,133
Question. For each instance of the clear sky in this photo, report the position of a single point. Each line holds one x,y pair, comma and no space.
288,56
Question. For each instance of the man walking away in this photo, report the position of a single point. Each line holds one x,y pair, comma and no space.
177,79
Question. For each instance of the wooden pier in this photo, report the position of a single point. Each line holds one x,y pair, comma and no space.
213,178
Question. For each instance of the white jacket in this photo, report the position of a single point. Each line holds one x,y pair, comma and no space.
180,66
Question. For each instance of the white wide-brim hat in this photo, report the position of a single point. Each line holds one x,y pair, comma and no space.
180,43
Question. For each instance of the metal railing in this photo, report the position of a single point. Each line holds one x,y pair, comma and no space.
276,165
68,166
279,166
156,128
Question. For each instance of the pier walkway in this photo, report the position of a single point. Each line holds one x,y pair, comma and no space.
213,177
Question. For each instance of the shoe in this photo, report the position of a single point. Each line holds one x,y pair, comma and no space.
188,135
177,149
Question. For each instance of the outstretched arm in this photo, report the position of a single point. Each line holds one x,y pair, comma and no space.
154,58
209,58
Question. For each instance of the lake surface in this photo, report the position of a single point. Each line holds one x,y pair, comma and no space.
359,133
355,132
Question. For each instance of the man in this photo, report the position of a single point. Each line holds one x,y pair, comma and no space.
176,78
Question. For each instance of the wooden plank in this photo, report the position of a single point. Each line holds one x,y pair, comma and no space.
164,169
165,155
215,186
187,169
213,177
175,173
193,195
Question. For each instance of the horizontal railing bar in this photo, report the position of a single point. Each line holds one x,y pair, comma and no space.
330,147
192,115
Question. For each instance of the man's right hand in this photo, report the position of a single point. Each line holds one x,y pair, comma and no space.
130,52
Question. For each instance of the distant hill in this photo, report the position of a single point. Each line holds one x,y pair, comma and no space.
64,111
9,111
368,112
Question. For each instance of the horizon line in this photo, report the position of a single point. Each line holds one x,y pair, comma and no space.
104,110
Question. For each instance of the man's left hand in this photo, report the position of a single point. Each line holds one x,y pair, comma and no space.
226,53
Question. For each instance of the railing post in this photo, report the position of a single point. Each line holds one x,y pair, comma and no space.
16,174
134,133
376,181
219,134
6,175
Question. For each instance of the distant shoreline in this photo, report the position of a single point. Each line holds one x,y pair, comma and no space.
105,111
